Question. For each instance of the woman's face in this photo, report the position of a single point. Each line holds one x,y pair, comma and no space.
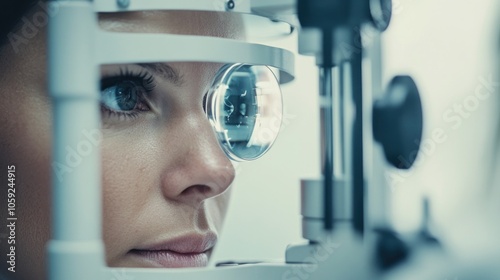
165,178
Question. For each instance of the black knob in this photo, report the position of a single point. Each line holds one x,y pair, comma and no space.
398,122
326,14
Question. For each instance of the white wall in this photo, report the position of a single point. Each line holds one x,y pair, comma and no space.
447,46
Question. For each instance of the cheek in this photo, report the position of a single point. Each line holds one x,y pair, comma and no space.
218,207
129,181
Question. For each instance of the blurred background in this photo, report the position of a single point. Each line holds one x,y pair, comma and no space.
450,48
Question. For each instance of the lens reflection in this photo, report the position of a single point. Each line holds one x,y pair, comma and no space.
245,108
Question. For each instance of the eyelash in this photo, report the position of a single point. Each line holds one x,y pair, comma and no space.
142,78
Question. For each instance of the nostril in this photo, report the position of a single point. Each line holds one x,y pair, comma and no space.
199,190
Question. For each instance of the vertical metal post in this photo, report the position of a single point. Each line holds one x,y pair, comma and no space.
357,146
327,126
76,250
326,123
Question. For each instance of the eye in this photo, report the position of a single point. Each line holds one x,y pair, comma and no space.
122,96
126,93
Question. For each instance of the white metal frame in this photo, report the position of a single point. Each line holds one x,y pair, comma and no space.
112,51
77,47
241,6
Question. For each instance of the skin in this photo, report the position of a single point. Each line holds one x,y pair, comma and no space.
164,173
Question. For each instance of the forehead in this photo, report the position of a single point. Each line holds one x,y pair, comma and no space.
215,24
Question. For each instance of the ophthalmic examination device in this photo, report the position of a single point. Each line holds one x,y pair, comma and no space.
364,126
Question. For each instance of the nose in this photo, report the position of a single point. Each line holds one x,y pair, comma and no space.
198,168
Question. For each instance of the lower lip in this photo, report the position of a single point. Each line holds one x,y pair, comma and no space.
170,259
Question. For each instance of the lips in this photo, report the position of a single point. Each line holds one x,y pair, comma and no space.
190,250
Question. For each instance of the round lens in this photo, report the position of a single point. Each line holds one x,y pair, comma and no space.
245,108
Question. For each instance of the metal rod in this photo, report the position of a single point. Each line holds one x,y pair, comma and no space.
342,119
357,147
326,127
327,144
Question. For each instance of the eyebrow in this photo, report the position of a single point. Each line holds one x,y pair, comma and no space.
164,71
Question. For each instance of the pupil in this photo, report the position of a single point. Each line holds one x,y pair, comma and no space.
126,95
